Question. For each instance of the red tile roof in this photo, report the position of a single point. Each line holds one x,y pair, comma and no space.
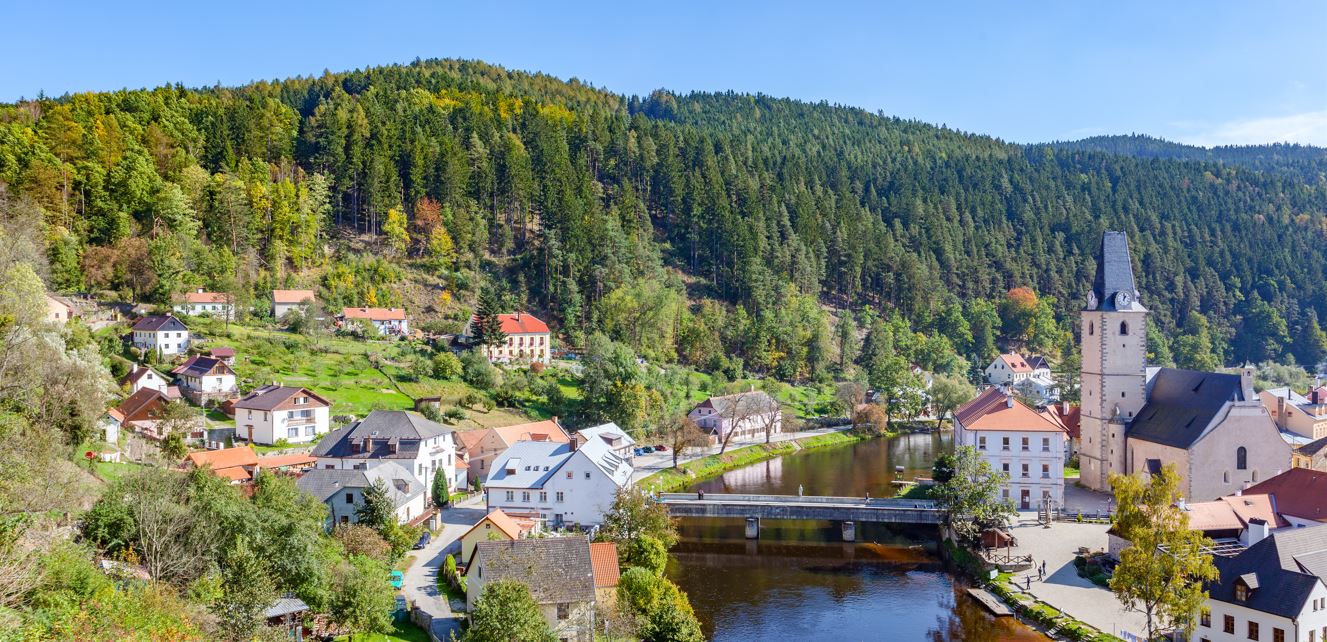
522,323
1298,492
500,520
603,559
547,430
1015,362
204,297
224,458
286,461
374,314
1071,419
222,352
995,410
292,296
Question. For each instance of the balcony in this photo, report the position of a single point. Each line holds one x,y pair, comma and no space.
301,421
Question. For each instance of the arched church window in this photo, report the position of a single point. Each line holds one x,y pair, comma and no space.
1242,458
1124,328
1091,328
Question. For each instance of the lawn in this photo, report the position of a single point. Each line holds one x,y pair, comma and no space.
404,631
111,471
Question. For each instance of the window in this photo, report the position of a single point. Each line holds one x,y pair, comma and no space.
1253,630
1004,443
1025,470
1255,476
511,496
345,519
292,431
309,431
1045,444
587,474
525,496
1278,635
1241,458
1045,471
1241,592
1124,329
1205,619
1025,443
1228,625
543,497
1005,467
559,497
350,498
569,474
981,443
1091,328
564,610
1225,477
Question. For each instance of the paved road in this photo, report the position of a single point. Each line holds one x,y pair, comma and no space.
646,465
421,579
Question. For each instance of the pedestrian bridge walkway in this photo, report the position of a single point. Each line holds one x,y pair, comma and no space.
849,510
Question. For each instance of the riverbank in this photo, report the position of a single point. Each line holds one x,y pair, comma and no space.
709,466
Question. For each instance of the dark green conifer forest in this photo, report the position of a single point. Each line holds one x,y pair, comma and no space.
724,231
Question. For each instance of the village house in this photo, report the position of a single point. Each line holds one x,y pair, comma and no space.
142,411
481,447
424,448
607,573
225,354
204,379
273,412
284,301
617,439
163,334
558,570
494,526
1008,369
746,415
59,309
241,464
1295,413
557,483
1026,445
1273,591
342,490
203,303
141,377
1138,419
387,321
528,339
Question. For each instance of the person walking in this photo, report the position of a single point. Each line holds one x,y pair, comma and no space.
1043,569
799,490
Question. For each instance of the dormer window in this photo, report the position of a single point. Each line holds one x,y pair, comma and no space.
1241,592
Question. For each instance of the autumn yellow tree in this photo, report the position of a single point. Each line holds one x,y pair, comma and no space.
398,237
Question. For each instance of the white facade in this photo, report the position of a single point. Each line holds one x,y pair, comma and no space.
436,455
1229,622
219,310
164,342
572,489
523,347
219,383
295,425
342,506
149,379
1001,372
1034,461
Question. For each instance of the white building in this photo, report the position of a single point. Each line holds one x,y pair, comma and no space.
343,491
528,339
614,437
423,447
1023,443
388,321
284,301
277,412
164,334
557,483
1273,591
1008,369
59,309
204,379
745,414
201,302
143,377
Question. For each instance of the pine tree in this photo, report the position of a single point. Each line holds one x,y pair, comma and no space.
487,326
439,491
377,511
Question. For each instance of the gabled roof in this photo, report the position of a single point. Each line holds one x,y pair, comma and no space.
557,569
603,558
1282,571
1298,492
198,367
269,397
522,323
223,458
756,401
1071,418
294,460
500,521
994,409
374,314
158,323
1015,362
547,430
1182,404
222,352
1232,513
292,296
204,297
608,433
1313,448
1038,362
1114,274
534,462
324,483
384,429
467,439
136,373
142,401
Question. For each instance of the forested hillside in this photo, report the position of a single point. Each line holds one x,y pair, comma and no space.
1309,162
707,229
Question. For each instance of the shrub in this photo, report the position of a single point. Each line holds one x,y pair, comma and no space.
453,415
477,371
537,367
446,366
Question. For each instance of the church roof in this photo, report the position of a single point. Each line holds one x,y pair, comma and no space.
1114,274
1182,404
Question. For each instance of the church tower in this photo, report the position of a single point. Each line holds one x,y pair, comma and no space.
1114,377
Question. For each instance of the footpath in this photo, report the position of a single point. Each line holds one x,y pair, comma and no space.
421,579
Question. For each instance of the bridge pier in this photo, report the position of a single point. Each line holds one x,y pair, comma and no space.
849,530
753,528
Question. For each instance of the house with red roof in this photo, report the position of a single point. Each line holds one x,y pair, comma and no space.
284,301
388,321
203,303
1019,441
528,339
481,447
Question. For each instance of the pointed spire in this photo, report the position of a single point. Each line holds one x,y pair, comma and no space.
1113,287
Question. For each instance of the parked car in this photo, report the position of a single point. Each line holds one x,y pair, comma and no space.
396,578
661,448
638,451
647,450
423,540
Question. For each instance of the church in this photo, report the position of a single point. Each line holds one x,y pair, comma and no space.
1212,426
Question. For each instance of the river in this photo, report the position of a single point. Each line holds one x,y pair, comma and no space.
799,581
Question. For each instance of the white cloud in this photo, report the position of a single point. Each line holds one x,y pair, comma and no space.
1308,128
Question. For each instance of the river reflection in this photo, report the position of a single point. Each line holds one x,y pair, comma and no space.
800,582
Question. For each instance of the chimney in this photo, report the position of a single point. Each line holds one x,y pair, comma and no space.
1255,532
1064,407
1009,402
575,442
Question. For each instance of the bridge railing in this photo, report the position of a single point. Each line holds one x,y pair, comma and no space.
732,498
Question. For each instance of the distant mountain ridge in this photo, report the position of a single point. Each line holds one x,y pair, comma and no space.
1307,160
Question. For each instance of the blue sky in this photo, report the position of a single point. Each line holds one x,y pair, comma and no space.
1213,72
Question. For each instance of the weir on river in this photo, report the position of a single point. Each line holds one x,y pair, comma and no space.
847,511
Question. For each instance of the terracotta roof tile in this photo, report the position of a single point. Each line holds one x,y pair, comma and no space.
292,296
547,430
1298,492
374,314
1015,362
995,410
603,557
224,458
204,297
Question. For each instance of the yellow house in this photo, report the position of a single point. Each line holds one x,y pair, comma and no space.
496,525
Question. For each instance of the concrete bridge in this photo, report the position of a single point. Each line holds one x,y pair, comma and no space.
847,510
